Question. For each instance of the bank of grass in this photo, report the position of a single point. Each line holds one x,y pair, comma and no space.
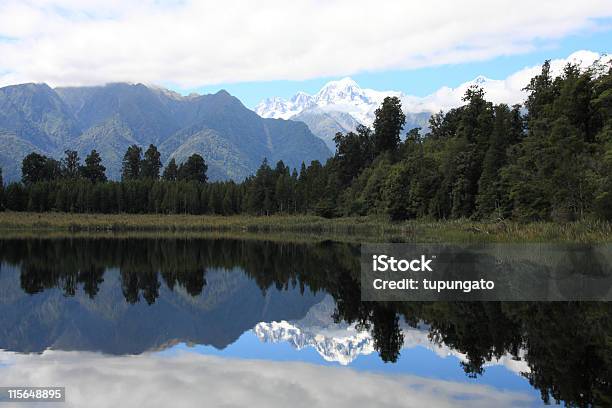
358,229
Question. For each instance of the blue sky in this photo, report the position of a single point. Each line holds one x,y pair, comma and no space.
417,361
426,80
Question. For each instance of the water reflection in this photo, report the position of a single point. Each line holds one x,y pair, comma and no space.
128,296
188,380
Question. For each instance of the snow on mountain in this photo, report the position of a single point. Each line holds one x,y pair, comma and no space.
345,95
338,107
343,343
341,349
337,342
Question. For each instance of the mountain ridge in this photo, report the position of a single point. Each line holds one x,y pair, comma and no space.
232,139
339,106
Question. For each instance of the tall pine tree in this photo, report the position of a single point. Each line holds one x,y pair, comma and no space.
171,171
1,191
70,164
131,163
151,164
93,170
194,169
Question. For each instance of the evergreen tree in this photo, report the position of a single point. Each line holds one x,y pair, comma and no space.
282,187
282,192
388,124
1,191
295,197
171,171
36,168
473,132
70,164
602,105
16,197
93,170
131,165
151,164
478,160
228,207
194,169
541,94
313,180
412,182
552,174
354,152
397,192
261,190
461,139
493,192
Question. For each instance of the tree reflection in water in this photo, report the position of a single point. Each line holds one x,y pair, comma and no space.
567,345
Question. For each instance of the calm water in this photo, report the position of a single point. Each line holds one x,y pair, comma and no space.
195,322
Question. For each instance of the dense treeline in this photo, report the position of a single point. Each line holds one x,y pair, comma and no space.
550,159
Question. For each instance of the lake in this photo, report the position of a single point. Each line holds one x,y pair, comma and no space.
183,321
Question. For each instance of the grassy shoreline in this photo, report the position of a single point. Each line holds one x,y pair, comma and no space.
307,226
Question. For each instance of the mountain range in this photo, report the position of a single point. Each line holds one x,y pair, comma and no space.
230,304
343,343
340,106
232,139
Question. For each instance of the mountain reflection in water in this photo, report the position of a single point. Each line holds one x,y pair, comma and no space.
133,296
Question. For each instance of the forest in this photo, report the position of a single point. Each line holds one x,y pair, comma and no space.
549,159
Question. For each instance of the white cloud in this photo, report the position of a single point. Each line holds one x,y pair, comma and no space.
194,43
188,379
508,90
347,96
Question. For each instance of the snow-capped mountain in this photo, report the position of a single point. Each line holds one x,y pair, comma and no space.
343,95
341,349
340,106
339,342
321,111
343,343
346,96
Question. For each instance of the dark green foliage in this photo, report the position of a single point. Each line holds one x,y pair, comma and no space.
465,153
602,116
260,190
93,170
388,123
36,168
354,152
411,182
71,164
554,172
132,159
493,193
1,191
479,160
397,192
151,164
194,169
16,197
171,171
